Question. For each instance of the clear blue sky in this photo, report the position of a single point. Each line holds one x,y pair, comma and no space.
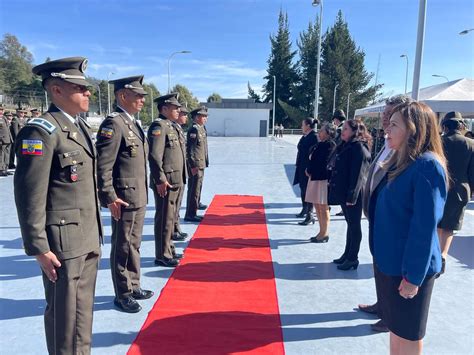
229,39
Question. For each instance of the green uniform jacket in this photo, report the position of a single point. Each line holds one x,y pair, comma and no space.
5,134
16,125
167,157
197,147
55,187
122,150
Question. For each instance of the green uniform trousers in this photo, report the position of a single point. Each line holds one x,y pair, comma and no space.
177,225
4,156
165,217
125,251
70,303
194,193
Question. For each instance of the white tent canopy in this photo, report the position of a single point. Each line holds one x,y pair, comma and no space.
456,95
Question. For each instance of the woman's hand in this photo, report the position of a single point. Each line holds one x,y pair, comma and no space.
407,290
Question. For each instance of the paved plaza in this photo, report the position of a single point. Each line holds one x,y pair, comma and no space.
317,302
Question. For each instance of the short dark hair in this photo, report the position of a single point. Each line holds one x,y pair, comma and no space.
310,121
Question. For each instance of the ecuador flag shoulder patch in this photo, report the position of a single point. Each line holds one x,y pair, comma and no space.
32,147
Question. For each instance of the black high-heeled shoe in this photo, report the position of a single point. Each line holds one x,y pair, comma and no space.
347,265
319,240
309,219
301,214
340,260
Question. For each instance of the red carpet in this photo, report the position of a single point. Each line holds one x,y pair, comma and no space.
222,298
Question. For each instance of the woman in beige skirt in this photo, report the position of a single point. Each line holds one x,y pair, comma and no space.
317,190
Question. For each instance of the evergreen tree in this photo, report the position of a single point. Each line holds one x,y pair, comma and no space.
307,63
15,70
186,97
342,62
214,97
280,65
252,94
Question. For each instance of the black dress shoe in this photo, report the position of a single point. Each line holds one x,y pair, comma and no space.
202,206
340,260
167,262
319,240
380,326
309,219
3,173
141,294
177,256
340,214
193,219
182,234
348,265
443,268
127,304
177,237
368,308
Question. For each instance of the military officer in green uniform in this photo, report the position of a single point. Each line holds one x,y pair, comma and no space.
17,123
58,207
197,158
122,150
178,234
35,113
5,142
167,175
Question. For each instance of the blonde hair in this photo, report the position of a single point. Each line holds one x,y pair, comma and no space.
422,136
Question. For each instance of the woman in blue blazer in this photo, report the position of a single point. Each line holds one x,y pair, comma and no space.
407,210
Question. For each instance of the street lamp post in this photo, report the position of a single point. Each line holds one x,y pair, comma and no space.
348,100
108,92
441,76
169,60
415,91
334,98
274,106
100,105
406,72
151,103
316,91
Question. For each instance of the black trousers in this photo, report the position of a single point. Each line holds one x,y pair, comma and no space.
307,206
353,215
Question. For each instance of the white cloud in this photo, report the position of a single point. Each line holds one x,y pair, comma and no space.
117,69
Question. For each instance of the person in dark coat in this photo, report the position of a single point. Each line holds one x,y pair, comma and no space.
459,152
348,176
317,190
308,140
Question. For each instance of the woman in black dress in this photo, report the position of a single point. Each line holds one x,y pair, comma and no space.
308,140
348,175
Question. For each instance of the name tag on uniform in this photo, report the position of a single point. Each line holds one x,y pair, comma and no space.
32,147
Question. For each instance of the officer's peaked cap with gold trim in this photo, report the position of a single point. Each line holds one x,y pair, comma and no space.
134,83
171,99
68,69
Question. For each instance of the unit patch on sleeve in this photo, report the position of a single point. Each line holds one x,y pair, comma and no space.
106,132
156,132
192,135
32,147
44,124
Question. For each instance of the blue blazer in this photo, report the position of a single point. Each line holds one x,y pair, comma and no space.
406,215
